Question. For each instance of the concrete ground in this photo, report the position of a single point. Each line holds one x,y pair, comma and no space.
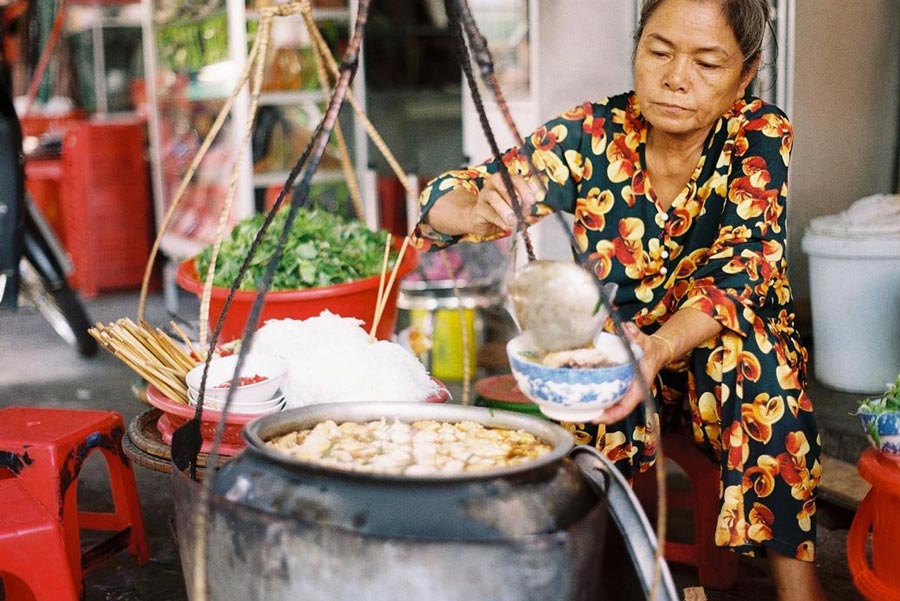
39,369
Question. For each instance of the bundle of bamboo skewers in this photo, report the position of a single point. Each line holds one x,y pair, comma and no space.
150,352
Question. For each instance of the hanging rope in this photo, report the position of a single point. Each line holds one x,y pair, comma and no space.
461,15
322,49
346,163
259,62
324,52
462,52
310,160
192,170
463,24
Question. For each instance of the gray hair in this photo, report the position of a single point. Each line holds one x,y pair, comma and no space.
748,20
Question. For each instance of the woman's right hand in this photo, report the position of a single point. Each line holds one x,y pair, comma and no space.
492,213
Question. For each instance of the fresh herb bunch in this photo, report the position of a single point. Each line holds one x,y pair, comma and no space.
322,249
889,402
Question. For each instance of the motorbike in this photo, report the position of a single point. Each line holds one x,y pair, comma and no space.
33,264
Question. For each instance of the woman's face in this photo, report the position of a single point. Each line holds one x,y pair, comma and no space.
688,67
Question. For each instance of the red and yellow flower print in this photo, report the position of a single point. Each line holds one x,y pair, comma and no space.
622,159
731,525
595,127
546,148
590,214
773,125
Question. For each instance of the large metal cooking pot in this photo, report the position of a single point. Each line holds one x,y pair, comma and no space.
285,529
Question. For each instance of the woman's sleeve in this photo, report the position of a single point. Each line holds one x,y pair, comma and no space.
554,151
746,267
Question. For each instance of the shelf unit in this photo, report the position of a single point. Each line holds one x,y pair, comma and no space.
91,25
196,54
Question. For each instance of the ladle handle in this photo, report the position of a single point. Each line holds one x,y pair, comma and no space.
629,517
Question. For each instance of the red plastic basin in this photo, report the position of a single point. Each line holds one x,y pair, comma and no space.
353,299
177,414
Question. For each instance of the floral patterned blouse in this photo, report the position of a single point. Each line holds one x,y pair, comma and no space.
719,248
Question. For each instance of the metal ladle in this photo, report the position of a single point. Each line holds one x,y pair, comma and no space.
559,303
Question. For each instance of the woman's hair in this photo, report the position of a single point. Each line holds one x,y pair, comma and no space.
748,20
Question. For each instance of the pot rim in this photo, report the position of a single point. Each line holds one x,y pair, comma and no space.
271,425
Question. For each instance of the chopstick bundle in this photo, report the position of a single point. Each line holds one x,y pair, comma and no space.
387,254
150,352
384,291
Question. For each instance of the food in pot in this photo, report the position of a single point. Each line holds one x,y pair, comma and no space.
331,359
421,448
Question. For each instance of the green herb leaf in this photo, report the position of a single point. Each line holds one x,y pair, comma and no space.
322,249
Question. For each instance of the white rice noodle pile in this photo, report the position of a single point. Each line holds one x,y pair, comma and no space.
330,359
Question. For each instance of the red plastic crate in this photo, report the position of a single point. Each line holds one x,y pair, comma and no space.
106,202
35,125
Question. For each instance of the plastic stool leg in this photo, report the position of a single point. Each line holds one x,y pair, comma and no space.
716,567
40,584
33,554
128,505
15,588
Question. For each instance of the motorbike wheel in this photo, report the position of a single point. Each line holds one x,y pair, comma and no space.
60,307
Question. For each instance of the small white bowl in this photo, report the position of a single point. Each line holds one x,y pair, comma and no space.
274,404
571,393
221,370
193,395
216,406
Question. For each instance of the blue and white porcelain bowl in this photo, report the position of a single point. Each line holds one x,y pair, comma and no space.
567,393
883,431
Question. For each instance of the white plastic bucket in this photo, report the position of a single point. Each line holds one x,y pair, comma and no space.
854,277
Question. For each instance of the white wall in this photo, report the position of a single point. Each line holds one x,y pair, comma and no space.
845,115
585,51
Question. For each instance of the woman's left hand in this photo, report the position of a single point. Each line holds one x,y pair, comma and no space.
656,354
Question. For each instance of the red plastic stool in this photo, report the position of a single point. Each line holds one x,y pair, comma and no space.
880,513
717,567
45,449
33,561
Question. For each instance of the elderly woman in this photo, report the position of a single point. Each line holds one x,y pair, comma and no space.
678,192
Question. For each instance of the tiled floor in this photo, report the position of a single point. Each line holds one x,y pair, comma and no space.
38,369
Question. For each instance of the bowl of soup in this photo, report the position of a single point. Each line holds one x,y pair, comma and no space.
575,385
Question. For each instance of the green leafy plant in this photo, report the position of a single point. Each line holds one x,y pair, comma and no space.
322,249
889,402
